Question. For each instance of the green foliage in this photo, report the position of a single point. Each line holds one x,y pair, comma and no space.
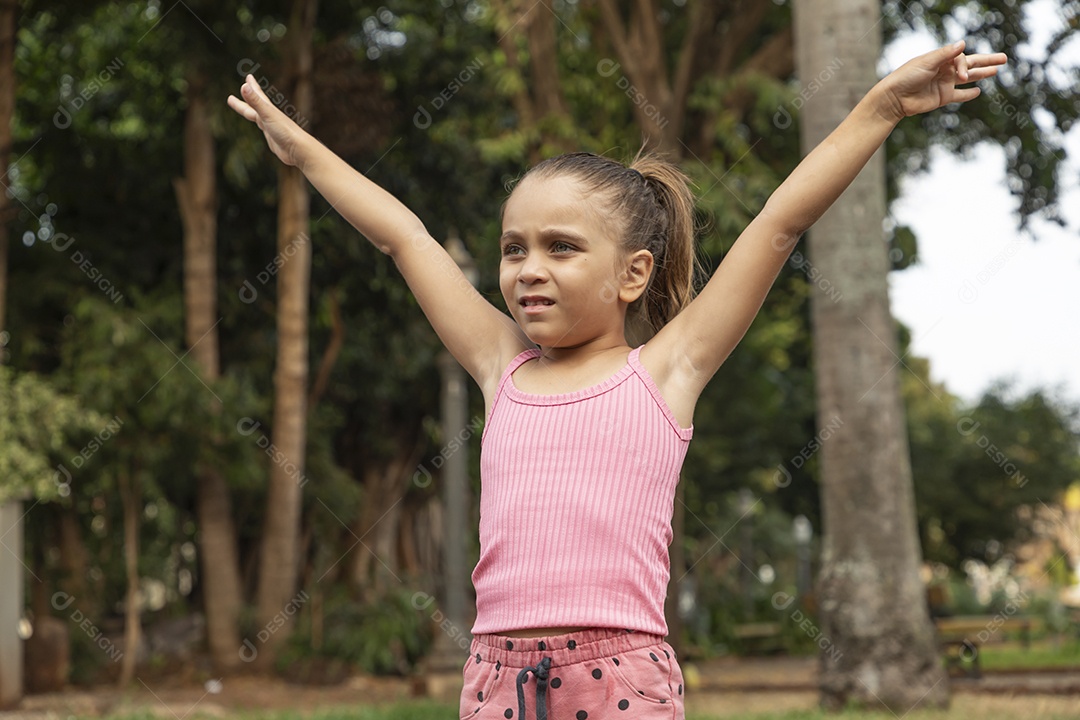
385,636
975,468
39,429
1032,105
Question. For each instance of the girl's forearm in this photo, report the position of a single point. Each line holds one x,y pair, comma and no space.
382,218
826,172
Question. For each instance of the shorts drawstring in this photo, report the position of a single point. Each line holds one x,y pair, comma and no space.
541,673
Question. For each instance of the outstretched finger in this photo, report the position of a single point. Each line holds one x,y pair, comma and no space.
987,59
256,98
960,95
242,108
981,73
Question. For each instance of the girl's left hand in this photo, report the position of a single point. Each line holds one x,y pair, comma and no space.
929,81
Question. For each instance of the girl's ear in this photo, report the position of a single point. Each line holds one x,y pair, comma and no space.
635,276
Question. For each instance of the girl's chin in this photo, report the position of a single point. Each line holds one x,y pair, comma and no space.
545,337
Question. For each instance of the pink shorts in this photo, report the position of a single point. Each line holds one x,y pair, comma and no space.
594,674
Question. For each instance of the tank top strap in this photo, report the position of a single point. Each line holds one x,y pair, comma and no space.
517,362
635,362
522,357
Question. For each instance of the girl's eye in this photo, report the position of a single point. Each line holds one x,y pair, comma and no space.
509,249
560,244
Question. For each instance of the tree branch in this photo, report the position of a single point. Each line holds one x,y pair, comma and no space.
330,355
615,28
775,58
702,19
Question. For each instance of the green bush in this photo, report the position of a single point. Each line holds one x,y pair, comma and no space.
385,636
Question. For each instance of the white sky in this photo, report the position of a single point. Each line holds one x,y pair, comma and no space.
986,303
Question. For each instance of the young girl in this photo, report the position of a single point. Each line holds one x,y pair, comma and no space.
585,435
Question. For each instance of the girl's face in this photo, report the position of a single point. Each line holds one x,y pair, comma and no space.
558,269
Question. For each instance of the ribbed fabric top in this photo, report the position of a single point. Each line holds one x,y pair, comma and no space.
576,499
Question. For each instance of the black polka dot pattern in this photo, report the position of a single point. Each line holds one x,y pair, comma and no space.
597,689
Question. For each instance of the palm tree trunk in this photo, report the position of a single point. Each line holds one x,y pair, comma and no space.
279,561
881,648
196,195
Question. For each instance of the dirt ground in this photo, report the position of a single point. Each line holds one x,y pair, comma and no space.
723,689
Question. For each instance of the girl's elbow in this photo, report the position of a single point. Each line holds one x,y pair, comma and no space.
406,243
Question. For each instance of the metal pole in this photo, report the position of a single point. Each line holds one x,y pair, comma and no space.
11,599
455,480
746,548
450,648
803,532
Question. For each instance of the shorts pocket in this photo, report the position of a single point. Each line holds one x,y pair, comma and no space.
479,684
645,673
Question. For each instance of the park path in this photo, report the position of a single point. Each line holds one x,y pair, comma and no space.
796,674
726,688
739,687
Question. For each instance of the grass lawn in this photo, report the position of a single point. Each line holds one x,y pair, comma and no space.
1042,654
705,705
965,706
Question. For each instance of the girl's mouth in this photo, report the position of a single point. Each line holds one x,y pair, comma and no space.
535,304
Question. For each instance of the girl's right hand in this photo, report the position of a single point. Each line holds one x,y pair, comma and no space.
282,134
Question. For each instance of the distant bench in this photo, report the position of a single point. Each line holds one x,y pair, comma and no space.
962,636
759,638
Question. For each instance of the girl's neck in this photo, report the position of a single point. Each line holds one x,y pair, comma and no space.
561,370
585,352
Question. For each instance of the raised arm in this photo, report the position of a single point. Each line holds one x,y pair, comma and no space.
697,341
473,330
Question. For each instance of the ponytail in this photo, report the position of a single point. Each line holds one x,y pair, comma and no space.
671,287
652,201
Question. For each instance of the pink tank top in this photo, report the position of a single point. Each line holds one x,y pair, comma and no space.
576,499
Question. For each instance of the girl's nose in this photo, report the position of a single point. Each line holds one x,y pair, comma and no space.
532,269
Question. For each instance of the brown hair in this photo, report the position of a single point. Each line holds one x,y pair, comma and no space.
652,200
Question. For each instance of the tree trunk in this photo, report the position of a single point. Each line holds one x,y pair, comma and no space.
279,561
11,571
638,42
196,195
74,558
130,498
539,102
878,643
7,113
377,527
